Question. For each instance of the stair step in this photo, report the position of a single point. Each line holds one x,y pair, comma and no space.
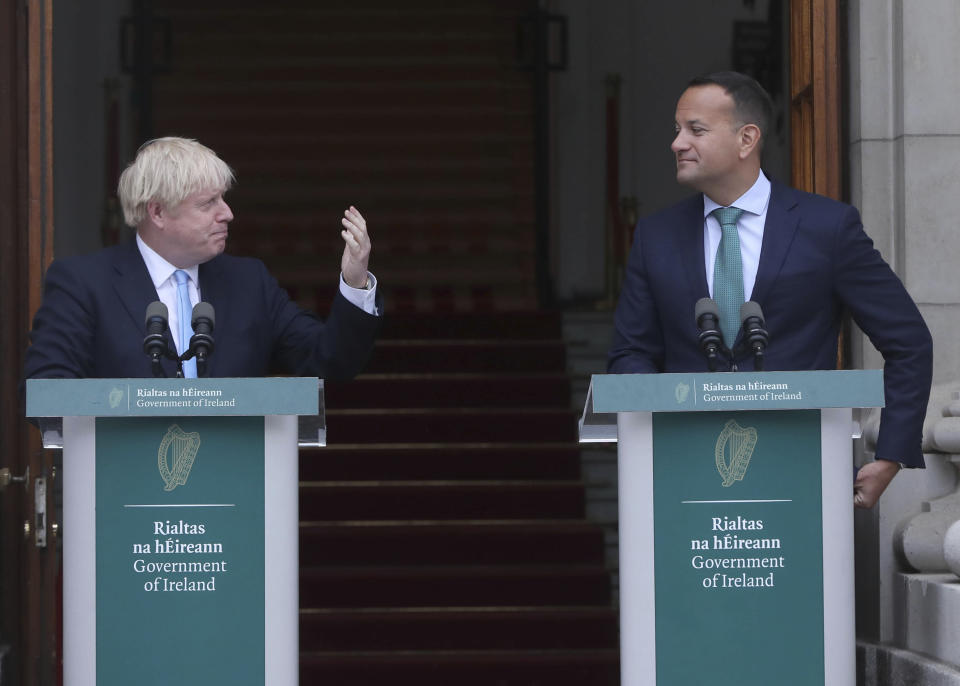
416,270
291,246
425,586
450,543
337,20
545,389
441,500
458,628
450,140
322,46
454,424
568,667
396,355
386,462
308,94
534,325
434,299
304,216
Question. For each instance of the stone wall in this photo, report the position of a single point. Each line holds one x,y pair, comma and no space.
904,64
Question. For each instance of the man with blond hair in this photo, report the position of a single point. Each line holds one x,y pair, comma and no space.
91,321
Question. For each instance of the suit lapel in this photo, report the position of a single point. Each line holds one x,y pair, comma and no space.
133,285
778,233
212,291
690,244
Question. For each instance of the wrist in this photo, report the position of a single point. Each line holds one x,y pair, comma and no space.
364,284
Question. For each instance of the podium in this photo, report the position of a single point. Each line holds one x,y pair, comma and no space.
180,525
735,523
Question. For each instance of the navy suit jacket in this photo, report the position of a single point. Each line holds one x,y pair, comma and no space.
91,322
816,262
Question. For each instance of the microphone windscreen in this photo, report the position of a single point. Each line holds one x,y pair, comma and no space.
202,310
750,309
706,306
154,310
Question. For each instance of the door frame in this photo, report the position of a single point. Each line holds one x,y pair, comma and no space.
29,576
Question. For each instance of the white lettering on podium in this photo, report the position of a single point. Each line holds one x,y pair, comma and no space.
711,554
170,545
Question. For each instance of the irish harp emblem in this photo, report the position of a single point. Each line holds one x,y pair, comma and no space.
180,448
733,451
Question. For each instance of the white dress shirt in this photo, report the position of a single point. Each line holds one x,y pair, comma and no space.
754,204
161,273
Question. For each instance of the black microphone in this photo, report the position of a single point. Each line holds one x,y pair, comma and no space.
154,344
751,318
708,321
201,343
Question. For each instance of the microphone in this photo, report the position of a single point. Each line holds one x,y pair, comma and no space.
708,321
751,318
154,344
201,342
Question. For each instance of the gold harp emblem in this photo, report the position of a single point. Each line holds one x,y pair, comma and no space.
182,447
733,451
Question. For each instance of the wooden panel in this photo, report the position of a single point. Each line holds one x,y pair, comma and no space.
815,96
29,577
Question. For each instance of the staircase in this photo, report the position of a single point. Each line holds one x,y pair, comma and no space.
443,534
443,538
416,112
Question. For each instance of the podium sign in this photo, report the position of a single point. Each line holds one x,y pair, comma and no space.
736,527
738,547
180,541
180,545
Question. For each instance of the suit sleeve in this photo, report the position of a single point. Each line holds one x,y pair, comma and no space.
882,308
62,337
305,345
638,346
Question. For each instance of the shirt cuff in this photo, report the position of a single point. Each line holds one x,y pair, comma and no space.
364,298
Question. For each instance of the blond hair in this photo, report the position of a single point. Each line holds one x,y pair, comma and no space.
167,170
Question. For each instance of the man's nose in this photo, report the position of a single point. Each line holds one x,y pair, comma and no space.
679,142
225,214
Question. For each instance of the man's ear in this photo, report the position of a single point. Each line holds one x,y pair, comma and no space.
749,140
156,215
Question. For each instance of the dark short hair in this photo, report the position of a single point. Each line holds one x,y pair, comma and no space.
751,103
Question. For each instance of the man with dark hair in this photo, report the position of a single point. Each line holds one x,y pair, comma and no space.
751,103
804,258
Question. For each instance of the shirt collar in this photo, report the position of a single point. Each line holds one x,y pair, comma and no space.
754,201
161,270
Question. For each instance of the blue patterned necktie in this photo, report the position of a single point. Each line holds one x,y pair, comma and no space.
728,273
184,315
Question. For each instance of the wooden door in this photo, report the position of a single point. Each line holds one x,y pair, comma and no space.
815,97
815,107
29,575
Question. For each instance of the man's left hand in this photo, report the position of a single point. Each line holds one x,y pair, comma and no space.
872,480
356,252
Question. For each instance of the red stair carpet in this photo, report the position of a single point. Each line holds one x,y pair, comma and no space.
443,538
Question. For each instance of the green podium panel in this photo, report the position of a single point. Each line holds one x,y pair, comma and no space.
179,506
736,524
737,548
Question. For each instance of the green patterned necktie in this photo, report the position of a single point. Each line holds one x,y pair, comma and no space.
728,273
